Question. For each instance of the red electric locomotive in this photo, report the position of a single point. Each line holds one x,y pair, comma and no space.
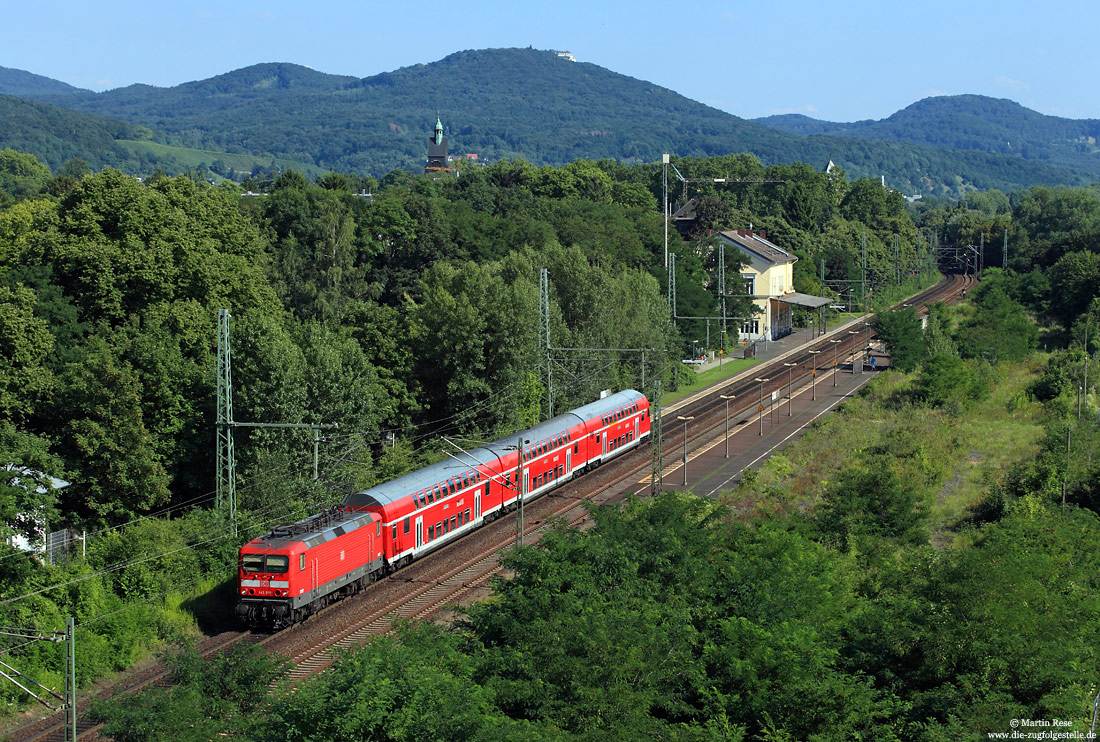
299,568
295,570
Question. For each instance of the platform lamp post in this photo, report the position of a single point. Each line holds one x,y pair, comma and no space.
760,406
790,386
521,487
813,376
727,397
834,344
854,333
685,419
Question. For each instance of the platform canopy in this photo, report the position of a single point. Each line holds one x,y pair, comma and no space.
804,300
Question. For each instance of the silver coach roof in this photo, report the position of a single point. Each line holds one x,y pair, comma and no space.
395,489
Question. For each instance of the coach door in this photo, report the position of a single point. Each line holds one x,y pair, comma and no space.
568,461
419,531
477,503
606,435
635,428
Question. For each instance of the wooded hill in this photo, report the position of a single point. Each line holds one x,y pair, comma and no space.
970,122
502,103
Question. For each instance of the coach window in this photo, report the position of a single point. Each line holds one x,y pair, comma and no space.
394,530
467,515
406,525
453,519
301,562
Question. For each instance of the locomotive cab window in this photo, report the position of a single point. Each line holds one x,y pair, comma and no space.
277,564
252,562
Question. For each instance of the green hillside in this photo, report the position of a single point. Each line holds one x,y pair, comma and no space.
514,103
975,123
55,135
30,85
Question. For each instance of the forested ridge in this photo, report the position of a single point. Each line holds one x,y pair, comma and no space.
971,122
415,313
508,103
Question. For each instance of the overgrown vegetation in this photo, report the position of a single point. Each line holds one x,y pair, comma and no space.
416,313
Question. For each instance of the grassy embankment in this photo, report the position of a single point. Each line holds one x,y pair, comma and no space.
952,460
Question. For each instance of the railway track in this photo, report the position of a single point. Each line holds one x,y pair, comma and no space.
450,575
52,728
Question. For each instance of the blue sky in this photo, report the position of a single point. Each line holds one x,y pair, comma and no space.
839,61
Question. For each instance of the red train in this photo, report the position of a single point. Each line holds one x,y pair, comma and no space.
297,569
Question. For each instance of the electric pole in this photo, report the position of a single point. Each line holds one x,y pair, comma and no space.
656,479
70,680
544,336
664,168
521,487
863,274
672,285
225,457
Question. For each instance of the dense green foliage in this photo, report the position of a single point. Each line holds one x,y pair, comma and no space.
207,698
507,103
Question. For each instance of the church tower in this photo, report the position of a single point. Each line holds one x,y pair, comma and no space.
437,151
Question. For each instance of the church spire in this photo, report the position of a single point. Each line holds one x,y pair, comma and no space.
437,150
